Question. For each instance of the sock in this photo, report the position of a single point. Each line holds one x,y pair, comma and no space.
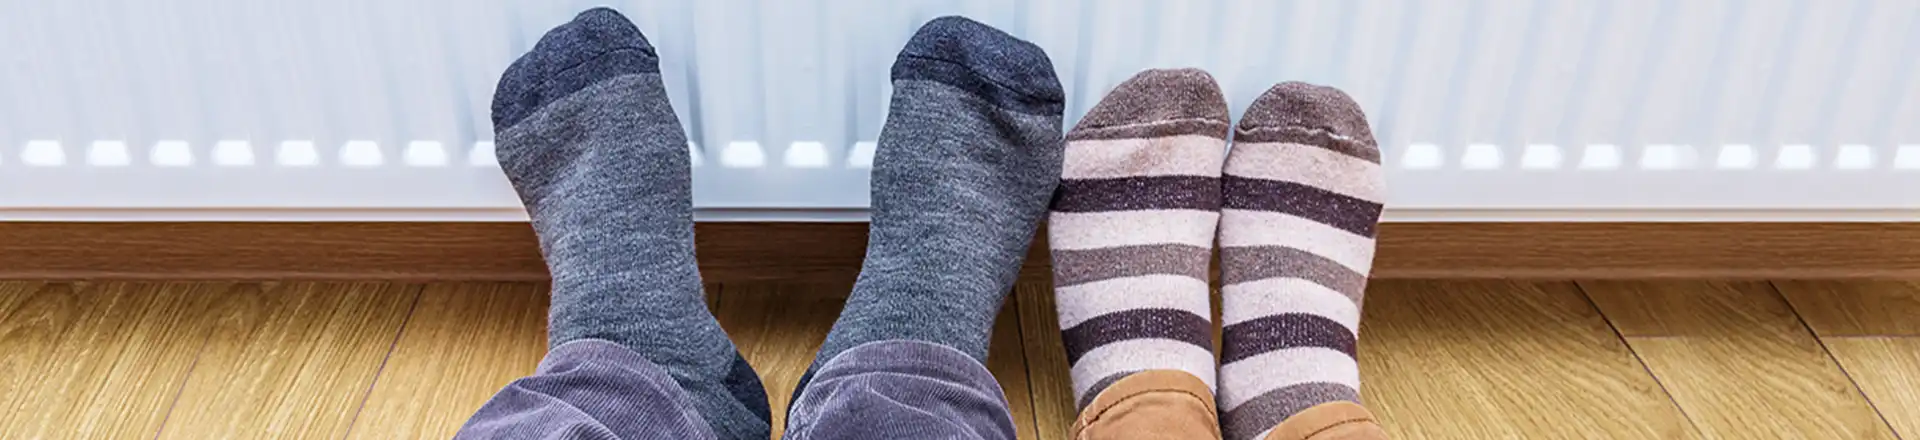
593,149
967,159
1132,230
1302,198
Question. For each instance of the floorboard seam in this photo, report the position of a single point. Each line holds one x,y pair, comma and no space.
1026,365
1041,428
185,377
1822,342
1637,359
378,372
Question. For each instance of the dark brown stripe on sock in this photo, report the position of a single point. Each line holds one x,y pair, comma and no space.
1203,127
1138,193
1074,267
1310,136
1283,331
1125,325
1342,211
1241,264
1270,408
1101,385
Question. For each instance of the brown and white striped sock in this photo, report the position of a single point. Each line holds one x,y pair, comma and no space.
1301,201
1132,230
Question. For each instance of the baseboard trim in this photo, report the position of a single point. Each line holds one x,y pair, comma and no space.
742,252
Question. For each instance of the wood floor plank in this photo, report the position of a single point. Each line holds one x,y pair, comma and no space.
1490,359
1693,308
778,328
1856,307
290,360
97,360
1888,370
28,337
463,342
1007,359
1478,359
12,293
1736,358
1047,369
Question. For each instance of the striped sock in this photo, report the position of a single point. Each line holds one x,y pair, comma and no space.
1132,230
1301,202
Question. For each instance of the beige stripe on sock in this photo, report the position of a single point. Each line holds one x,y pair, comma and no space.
1082,302
1089,230
1266,228
1184,155
1249,378
1310,165
1273,296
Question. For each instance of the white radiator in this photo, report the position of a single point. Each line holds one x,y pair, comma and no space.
1486,109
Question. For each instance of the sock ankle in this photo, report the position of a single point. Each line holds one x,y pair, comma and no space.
591,144
967,159
1132,228
1302,199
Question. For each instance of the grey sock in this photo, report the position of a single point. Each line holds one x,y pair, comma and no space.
591,144
967,162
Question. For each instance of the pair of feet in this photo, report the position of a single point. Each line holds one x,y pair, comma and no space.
1147,183
969,155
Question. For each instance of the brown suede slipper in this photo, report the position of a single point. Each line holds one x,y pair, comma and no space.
1152,404
1330,421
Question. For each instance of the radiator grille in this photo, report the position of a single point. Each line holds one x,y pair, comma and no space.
332,108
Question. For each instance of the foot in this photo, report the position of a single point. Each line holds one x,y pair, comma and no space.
1302,198
967,160
592,147
1132,230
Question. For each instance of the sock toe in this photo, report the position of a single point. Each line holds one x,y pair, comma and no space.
984,61
597,45
1160,96
1298,104
1292,111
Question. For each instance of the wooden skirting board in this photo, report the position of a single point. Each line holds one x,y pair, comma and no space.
736,252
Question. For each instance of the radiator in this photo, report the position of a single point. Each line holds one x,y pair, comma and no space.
1485,109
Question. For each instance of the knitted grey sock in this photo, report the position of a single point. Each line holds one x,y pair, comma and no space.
967,161
587,137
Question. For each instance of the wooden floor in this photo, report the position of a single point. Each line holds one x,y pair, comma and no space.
1441,360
